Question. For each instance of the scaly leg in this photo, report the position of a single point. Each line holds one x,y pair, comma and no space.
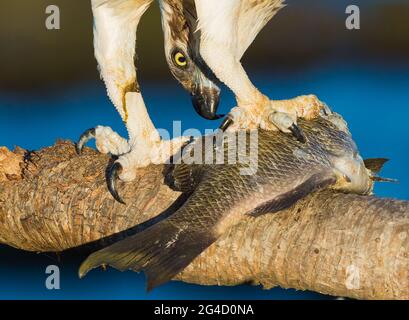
222,48
144,147
107,141
115,26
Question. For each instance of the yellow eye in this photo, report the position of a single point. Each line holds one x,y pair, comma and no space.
180,59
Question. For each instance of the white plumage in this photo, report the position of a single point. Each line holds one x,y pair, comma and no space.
115,26
226,28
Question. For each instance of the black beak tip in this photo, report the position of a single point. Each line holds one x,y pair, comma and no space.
206,104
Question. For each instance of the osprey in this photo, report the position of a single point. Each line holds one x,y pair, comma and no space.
204,43
115,26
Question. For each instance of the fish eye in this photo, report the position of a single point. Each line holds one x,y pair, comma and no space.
180,59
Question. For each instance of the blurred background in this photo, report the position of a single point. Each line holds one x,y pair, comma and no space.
50,89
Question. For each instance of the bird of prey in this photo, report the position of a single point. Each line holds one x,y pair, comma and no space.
115,27
204,43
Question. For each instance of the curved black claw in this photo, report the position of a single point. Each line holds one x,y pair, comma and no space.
298,133
111,178
84,138
227,122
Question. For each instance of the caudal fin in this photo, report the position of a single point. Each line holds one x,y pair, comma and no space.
161,251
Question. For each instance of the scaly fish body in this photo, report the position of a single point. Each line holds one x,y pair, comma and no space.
220,195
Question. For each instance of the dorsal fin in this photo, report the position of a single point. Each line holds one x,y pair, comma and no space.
375,164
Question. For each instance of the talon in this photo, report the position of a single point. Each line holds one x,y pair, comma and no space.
325,111
298,133
112,176
84,138
226,123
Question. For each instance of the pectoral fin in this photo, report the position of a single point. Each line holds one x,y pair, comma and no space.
285,200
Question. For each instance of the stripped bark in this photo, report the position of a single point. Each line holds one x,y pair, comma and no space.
333,243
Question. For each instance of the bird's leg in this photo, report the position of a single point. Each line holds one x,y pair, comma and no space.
280,114
307,107
221,49
107,141
145,145
254,109
115,26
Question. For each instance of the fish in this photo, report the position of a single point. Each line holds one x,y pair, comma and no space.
219,195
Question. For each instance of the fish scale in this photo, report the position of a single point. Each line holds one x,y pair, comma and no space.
220,195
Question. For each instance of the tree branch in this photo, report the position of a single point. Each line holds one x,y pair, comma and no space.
333,243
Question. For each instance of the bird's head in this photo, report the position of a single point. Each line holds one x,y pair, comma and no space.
182,50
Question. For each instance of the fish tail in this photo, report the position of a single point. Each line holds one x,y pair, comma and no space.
161,251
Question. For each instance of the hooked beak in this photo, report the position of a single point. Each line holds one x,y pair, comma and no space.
205,99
